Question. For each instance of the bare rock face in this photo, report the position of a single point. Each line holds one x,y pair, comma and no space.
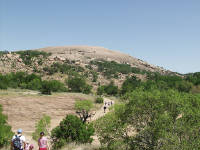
85,54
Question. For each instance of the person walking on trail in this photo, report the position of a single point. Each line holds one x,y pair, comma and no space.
42,142
29,146
104,108
18,141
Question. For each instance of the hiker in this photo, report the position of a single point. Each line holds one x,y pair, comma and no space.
104,108
42,142
111,103
18,141
29,146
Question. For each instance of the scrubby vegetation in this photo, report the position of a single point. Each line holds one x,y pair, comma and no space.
52,86
160,112
64,68
3,53
28,55
30,81
152,119
110,69
71,129
5,130
78,84
109,89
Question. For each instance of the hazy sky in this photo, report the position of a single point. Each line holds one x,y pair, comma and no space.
162,32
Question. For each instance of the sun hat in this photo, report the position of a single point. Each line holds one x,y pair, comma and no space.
19,131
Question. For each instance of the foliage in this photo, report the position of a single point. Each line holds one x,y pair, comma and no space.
64,68
21,80
83,108
194,78
110,131
165,82
130,84
111,68
52,86
99,100
28,55
153,119
109,89
3,52
71,129
42,125
78,84
5,130
30,81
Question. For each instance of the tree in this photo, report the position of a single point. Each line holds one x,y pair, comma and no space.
130,84
83,108
155,120
71,129
5,130
78,84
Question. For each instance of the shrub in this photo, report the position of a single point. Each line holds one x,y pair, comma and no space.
78,84
99,100
71,129
5,130
52,86
109,89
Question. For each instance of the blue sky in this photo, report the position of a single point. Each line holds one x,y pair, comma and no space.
163,33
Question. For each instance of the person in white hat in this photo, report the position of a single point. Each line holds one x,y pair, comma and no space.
18,141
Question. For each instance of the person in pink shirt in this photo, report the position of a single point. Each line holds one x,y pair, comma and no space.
42,142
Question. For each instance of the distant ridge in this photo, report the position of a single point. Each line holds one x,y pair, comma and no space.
87,53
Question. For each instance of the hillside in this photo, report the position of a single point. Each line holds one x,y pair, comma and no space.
86,60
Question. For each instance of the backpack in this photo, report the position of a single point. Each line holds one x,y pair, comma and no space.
17,143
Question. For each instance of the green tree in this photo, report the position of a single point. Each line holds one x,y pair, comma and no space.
83,108
156,120
78,84
71,129
5,130
130,84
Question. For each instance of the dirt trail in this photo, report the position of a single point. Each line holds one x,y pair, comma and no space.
99,113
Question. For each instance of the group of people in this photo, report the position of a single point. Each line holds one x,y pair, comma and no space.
106,105
19,142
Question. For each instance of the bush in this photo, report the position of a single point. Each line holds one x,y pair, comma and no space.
78,84
109,89
71,129
52,86
99,100
5,130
